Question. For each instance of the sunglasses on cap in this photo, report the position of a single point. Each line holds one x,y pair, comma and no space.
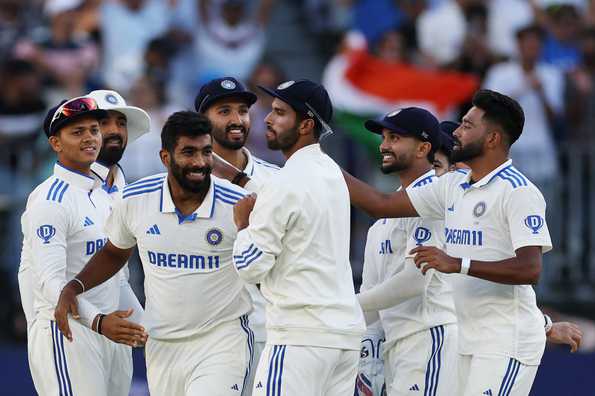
74,107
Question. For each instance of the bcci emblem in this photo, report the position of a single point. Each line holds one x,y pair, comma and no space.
111,98
214,237
228,84
46,232
286,84
479,209
534,223
421,235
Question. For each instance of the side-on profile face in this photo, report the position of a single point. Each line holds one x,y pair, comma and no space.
398,151
282,126
231,122
114,129
470,136
191,162
78,143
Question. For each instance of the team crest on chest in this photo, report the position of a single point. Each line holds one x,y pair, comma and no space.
214,237
479,209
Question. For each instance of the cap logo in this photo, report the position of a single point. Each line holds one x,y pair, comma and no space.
394,113
111,98
228,84
425,135
286,84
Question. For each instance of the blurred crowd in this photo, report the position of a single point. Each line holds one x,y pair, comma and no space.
157,53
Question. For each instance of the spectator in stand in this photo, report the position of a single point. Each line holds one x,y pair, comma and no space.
269,75
560,47
580,93
66,58
505,18
127,27
19,19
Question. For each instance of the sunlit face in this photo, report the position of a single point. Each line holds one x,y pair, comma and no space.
114,129
469,137
191,162
398,151
77,144
282,126
231,122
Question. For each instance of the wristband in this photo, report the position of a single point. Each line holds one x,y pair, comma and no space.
101,316
238,177
465,265
80,282
548,323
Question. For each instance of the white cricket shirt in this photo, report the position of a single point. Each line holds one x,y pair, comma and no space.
63,227
191,285
387,255
259,172
488,221
297,248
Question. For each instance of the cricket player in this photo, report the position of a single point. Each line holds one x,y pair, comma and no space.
226,103
196,304
294,242
420,326
63,226
495,233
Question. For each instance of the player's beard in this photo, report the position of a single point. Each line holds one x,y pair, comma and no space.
401,162
111,155
283,140
179,173
467,152
220,136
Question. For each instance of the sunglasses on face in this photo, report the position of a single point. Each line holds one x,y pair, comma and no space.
73,107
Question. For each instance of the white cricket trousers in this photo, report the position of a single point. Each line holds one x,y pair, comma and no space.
215,363
494,376
90,365
423,363
292,370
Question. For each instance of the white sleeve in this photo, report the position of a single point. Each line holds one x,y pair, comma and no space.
128,299
253,186
370,269
429,200
48,232
26,283
117,227
525,212
257,246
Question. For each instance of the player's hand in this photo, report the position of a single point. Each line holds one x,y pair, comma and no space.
566,333
427,257
67,304
242,210
115,327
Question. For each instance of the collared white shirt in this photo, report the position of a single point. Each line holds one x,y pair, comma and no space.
259,172
63,227
297,248
190,283
387,254
488,221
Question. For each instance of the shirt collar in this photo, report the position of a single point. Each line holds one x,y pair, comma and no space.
74,177
102,171
249,169
426,175
204,211
484,180
311,149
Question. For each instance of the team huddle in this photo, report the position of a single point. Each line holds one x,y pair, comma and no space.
248,284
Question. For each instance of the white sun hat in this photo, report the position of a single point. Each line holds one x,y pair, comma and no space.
139,121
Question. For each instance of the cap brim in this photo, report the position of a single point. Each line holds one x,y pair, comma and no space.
278,95
376,126
92,113
249,97
138,121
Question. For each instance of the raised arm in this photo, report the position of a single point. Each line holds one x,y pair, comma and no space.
378,204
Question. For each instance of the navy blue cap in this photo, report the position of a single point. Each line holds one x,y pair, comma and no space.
410,121
51,128
220,88
305,97
447,128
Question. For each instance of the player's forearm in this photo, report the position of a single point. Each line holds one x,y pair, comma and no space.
378,204
512,271
128,300
102,266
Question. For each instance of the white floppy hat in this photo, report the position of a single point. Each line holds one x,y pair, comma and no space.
139,121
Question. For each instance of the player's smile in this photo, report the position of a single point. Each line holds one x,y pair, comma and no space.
236,132
388,157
